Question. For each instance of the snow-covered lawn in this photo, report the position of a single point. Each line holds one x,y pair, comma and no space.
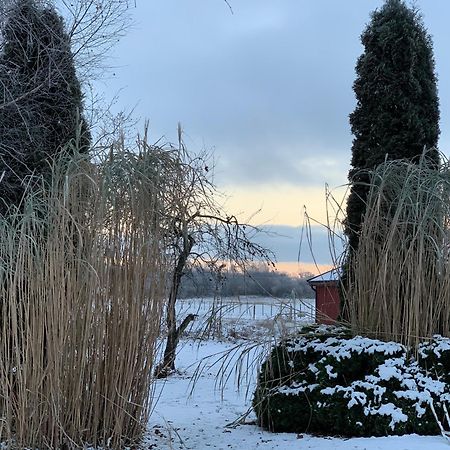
246,317
192,411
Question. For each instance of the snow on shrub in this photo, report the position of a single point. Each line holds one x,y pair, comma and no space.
434,357
326,382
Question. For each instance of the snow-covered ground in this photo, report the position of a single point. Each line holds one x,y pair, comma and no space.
246,317
195,408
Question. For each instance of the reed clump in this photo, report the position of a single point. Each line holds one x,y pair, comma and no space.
82,277
400,275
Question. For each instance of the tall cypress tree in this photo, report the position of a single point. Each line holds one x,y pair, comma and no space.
397,111
41,96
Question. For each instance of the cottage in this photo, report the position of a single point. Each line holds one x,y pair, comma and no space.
326,287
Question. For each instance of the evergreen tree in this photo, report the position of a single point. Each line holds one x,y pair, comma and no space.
397,111
41,96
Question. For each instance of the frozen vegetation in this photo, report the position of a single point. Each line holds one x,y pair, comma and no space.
207,403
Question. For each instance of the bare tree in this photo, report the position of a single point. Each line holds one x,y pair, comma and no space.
200,234
94,27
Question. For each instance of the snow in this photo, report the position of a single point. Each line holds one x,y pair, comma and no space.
193,408
391,410
357,398
248,316
438,345
343,349
330,372
331,275
387,372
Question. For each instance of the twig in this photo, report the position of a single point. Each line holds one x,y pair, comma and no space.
445,434
229,6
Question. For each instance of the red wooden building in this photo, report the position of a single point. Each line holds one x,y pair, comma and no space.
326,287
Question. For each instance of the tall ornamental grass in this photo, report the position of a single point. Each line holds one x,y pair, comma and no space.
82,275
400,277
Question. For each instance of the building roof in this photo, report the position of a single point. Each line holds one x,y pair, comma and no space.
326,277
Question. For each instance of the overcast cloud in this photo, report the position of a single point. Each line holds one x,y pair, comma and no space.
269,87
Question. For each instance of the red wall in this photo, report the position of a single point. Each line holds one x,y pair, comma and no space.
327,303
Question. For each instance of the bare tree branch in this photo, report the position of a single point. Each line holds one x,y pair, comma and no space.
229,6
94,27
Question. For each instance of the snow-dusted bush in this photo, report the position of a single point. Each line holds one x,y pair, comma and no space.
434,357
326,382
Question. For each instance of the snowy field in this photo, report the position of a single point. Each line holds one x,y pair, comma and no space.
203,407
246,317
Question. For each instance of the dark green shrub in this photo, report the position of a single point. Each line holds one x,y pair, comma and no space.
397,106
434,357
338,385
41,98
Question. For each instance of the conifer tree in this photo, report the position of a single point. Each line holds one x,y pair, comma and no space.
41,103
397,110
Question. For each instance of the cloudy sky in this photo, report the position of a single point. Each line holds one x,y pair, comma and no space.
268,89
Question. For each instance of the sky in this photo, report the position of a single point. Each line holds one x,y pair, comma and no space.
268,90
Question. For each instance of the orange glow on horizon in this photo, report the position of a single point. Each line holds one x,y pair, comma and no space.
297,268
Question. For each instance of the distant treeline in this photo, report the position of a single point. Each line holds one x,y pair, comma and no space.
203,283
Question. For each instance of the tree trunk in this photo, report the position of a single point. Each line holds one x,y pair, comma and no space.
167,365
